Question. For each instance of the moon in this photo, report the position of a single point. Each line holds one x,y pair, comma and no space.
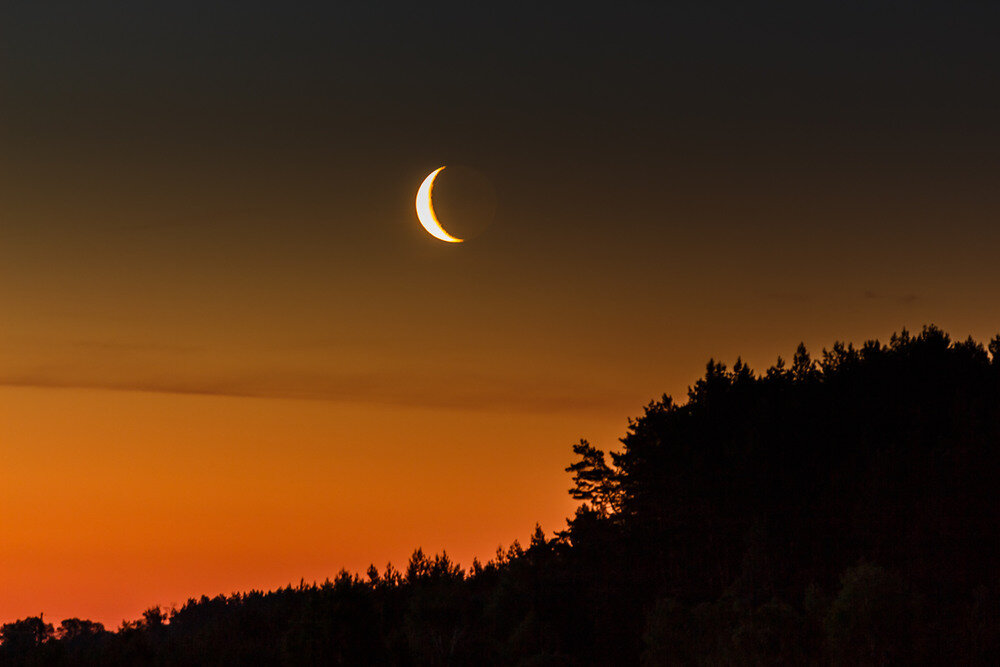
425,210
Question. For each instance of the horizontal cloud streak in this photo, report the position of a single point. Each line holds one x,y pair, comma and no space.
404,390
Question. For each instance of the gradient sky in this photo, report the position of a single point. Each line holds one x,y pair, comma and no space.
230,358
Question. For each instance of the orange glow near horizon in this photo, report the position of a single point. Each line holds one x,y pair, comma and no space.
117,501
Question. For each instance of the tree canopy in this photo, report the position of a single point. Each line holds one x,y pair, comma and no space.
840,510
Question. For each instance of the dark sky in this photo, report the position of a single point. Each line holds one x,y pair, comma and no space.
641,86
693,179
636,105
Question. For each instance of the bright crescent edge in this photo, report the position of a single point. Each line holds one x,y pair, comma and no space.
425,210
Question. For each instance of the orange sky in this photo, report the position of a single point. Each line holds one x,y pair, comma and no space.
246,400
231,358
120,500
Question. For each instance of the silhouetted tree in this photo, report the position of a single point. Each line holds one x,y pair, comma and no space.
873,620
19,638
72,629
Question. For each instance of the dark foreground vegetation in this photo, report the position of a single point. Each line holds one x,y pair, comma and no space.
838,511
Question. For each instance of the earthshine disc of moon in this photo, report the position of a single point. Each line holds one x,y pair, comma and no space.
425,210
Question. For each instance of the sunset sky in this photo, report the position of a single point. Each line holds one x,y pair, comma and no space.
231,358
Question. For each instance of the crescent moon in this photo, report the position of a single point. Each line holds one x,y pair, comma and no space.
425,210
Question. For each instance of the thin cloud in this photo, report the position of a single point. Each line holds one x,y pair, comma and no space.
440,392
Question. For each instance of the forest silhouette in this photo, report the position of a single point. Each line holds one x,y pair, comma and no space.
843,510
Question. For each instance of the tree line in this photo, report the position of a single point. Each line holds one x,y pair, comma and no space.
842,510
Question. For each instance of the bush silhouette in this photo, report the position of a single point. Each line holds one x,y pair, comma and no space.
873,619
